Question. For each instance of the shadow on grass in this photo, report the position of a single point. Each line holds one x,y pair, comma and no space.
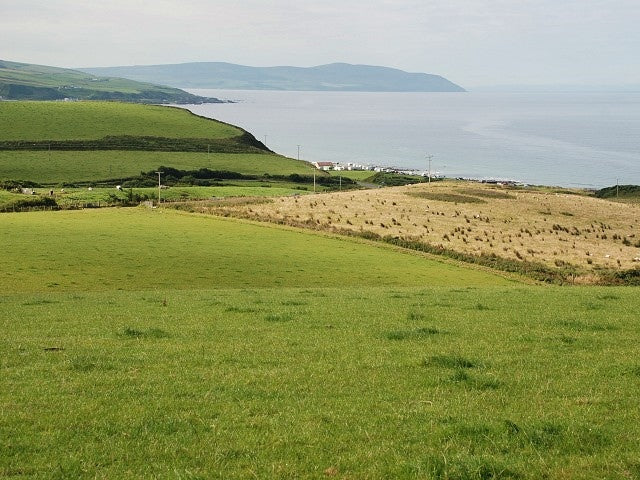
130,332
88,363
416,334
450,361
279,317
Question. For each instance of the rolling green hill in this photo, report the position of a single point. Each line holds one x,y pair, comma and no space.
83,126
22,81
62,142
50,121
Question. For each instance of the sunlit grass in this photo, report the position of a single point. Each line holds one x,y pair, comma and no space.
140,248
58,167
95,120
296,382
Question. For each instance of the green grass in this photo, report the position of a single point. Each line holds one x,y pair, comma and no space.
139,248
57,167
305,383
358,175
448,197
7,196
92,142
396,179
95,120
147,343
110,196
105,197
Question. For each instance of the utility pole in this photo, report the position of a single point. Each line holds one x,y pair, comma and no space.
617,185
265,140
159,173
429,157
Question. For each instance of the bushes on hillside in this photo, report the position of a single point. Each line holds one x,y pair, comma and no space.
207,177
17,185
35,202
621,191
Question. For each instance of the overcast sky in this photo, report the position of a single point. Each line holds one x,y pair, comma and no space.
470,42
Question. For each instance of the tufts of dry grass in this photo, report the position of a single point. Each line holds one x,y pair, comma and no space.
559,230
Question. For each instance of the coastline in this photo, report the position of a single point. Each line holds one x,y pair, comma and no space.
531,138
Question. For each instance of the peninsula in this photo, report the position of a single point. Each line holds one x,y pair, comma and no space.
332,77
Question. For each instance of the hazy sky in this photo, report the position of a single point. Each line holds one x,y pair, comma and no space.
471,42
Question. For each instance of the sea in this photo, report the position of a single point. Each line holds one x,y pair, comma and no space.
586,140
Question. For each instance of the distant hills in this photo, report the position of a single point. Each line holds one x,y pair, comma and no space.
332,77
23,81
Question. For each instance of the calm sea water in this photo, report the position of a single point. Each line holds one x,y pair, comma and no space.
585,139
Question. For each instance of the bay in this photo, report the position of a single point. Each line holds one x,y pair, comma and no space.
586,140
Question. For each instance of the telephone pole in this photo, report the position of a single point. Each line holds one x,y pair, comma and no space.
159,173
429,157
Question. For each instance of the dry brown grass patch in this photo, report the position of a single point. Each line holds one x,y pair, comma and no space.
559,230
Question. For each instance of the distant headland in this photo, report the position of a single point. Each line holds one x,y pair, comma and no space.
333,77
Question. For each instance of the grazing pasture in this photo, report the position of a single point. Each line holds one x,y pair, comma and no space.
140,248
39,121
310,382
153,343
58,167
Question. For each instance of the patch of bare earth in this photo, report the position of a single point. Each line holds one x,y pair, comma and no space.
558,230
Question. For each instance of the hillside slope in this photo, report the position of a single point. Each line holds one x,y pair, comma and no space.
62,142
22,81
35,121
333,77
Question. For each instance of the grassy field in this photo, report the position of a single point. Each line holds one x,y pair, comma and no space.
69,198
557,230
95,120
358,175
150,343
78,196
68,167
140,248
66,144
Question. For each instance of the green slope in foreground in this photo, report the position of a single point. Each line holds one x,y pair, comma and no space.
237,350
139,249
